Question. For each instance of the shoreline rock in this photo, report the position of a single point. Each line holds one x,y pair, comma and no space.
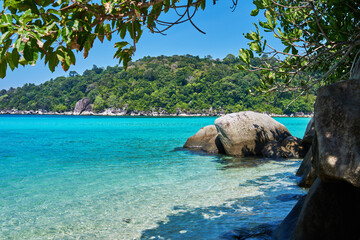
206,139
124,112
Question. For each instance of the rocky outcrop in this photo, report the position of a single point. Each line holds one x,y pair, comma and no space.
332,203
330,211
206,139
82,105
286,228
306,172
246,133
290,147
309,135
337,118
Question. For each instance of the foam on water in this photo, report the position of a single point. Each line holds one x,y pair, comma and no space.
120,178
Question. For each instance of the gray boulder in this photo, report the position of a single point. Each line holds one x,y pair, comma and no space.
82,105
246,133
206,139
337,118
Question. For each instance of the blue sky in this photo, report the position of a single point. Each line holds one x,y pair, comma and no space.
224,34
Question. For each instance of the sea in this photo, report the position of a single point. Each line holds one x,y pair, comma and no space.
95,177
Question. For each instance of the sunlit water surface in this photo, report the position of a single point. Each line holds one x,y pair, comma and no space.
66,177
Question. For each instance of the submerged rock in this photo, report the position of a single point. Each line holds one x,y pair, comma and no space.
246,133
206,139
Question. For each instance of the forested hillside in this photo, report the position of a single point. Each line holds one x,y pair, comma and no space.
186,82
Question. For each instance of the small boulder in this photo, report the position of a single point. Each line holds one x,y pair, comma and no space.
246,133
206,139
290,147
81,106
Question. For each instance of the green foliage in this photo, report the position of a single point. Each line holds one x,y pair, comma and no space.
53,30
59,108
320,42
188,83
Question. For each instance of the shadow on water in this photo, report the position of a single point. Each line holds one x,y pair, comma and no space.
228,162
239,162
252,217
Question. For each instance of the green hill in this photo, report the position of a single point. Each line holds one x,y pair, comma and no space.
187,83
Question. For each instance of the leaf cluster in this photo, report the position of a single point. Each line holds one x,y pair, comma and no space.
320,39
54,30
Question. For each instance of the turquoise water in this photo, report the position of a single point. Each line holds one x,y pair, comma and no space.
67,177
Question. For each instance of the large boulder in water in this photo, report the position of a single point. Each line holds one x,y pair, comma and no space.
206,139
246,133
81,105
337,125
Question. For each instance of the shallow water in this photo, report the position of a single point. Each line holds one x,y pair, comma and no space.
67,177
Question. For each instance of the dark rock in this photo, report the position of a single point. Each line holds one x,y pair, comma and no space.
286,228
246,133
272,150
306,170
294,146
290,147
81,105
309,135
206,139
330,211
337,125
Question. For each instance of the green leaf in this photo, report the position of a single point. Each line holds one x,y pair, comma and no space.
15,57
123,32
255,46
100,32
3,67
107,29
53,62
28,53
10,61
4,36
203,5
241,67
254,12
245,55
120,45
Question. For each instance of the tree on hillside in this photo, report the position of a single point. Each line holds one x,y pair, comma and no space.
53,30
321,39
